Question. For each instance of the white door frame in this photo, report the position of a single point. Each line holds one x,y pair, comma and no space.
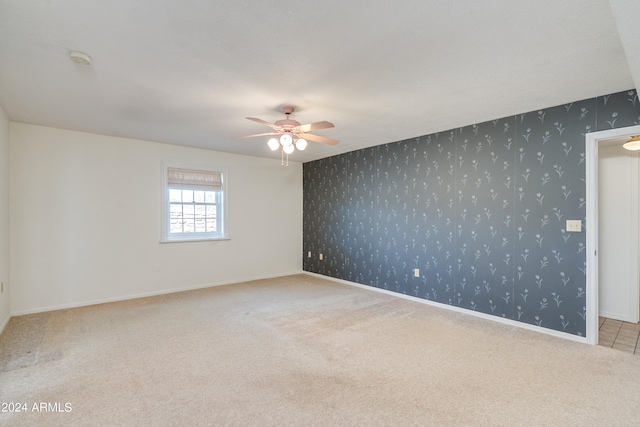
591,159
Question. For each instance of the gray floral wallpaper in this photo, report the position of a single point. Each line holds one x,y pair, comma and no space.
479,210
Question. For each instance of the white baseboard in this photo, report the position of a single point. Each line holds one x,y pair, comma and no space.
485,316
5,323
616,316
143,295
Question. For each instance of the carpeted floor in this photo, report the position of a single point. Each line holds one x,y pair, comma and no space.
302,351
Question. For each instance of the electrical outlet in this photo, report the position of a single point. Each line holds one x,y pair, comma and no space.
416,272
321,257
309,254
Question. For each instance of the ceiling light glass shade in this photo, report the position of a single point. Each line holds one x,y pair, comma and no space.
633,144
288,148
286,140
301,144
273,144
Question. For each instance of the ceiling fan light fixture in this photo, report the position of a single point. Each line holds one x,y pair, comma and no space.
288,148
273,144
633,144
286,140
288,134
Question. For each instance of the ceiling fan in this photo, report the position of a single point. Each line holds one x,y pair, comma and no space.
292,132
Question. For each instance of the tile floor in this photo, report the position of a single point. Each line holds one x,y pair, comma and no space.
619,335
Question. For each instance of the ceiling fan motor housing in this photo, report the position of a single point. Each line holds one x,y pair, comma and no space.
287,125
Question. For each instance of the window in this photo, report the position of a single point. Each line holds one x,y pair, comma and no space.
193,203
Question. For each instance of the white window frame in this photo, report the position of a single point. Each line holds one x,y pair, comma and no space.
221,218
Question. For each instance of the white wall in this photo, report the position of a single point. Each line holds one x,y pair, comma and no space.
5,312
85,220
618,233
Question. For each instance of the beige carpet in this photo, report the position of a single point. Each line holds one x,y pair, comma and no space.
303,351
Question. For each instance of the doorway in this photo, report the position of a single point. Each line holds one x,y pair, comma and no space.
595,141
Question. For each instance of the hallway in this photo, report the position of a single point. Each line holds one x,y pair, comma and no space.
619,335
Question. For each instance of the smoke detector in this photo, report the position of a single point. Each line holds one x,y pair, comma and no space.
80,58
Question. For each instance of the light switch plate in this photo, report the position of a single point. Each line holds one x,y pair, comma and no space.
574,225
321,257
416,272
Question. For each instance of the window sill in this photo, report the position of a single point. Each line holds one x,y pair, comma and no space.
204,239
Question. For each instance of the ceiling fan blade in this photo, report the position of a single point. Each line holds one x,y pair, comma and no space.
262,122
257,134
315,126
318,138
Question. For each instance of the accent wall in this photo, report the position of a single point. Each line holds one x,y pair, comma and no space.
480,211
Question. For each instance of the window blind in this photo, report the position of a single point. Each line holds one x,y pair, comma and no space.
195,179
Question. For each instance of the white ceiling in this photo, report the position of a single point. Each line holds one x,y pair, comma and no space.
188,72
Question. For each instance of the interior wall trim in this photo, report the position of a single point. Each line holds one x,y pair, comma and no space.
492,318
4,324
148,294
592,140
